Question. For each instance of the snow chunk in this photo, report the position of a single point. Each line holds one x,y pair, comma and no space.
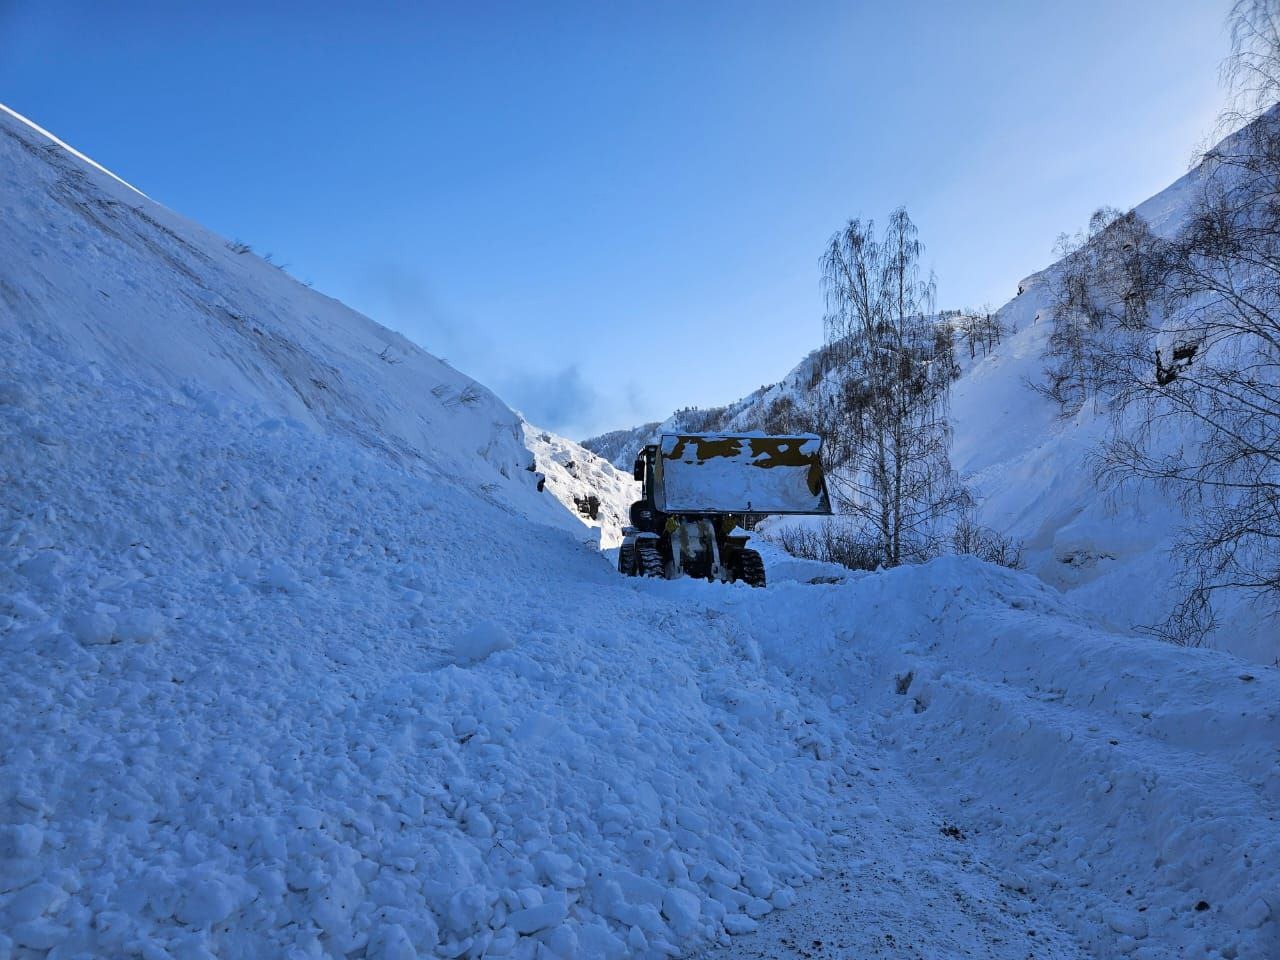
280,576
484,637
682,908
24,839
139,626
1126,922
39,934
94,627
392,943
208,900
739,923
545,915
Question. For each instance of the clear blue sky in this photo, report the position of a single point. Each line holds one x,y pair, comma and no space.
607,210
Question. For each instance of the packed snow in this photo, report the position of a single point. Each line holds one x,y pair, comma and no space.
299,662
1130,787
302,700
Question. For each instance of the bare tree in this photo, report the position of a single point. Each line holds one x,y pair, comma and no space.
1214,381
1181,338
1252,71
1101,298
980,329
885,409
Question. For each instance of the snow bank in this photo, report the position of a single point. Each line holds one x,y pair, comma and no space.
266,694
1130,785
289,668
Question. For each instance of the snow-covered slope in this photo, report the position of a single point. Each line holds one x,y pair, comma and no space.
1028,468
97,272
1032,471
315,671
595,490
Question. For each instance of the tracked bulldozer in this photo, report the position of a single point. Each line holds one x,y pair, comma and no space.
701,493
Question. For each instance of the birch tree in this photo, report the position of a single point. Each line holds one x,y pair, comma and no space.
885,406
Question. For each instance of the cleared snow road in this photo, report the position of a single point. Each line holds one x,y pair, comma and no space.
1037,773
899,882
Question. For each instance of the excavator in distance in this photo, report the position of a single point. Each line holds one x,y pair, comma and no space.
700,492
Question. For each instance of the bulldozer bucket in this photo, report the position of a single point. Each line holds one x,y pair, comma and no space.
727,473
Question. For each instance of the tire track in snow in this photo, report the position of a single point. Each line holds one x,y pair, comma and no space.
899,881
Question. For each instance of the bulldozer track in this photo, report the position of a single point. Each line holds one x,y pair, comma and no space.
649,560
752,568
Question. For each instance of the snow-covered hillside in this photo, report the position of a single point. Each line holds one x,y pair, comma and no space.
298,662
1029,469
595,490
124,284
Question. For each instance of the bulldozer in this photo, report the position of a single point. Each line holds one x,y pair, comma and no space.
701,494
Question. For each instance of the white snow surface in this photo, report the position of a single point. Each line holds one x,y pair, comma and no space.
1131,789
267,693
308,670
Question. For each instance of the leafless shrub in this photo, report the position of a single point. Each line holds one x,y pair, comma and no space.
468,396
386,357
829,542
984,543
239,247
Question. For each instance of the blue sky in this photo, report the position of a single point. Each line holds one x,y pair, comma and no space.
608,210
